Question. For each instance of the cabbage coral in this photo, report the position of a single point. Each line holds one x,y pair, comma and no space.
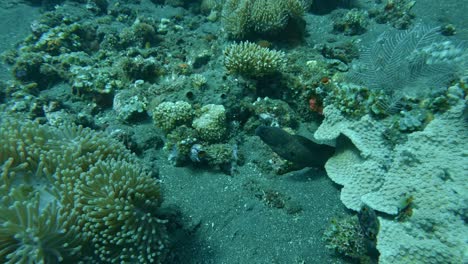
70,193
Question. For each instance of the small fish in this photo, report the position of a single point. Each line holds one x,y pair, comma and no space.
297,149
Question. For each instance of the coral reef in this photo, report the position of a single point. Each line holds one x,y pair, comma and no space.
95,82
96,52
273,112
252,60
71,194
140,68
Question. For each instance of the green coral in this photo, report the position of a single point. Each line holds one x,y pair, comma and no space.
70,194
251,60
218,155
345,237
169,115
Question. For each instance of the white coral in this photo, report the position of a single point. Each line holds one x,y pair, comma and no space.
431,167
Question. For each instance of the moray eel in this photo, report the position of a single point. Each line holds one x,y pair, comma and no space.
297,149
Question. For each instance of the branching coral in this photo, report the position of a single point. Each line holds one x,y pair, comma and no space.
252,60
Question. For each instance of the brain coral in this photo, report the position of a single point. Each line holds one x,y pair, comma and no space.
70,194
429,169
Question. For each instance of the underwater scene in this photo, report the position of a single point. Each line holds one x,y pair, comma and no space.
233,131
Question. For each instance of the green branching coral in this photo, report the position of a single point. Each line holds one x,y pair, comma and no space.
251,60
72,194
265,17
